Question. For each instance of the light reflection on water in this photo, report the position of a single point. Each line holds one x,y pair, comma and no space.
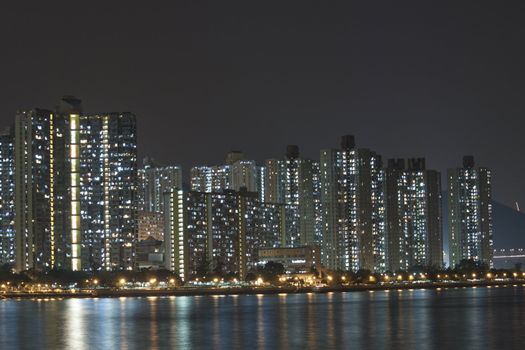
417,319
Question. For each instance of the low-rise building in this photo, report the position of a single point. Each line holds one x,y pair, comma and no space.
295,259
150,253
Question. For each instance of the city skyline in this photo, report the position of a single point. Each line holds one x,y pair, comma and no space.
262,174
82,202
77,179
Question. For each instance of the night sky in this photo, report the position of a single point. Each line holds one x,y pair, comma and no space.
408,78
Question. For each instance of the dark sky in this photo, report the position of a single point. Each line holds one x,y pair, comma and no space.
408,78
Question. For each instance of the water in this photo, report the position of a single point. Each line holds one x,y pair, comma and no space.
472,318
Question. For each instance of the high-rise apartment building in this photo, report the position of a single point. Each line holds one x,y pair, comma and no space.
294,181
108,190
237,174
261,182
470,213
244,174
275,181
210,178
7,197
76,190
43,240
220,231
156,180
414,227
353,208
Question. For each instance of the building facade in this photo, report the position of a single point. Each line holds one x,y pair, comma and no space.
244,175
76,189
220,232
299,260
295,182
7,197
414,228
210,178
150,224
43,240
353,208
470,213
155,181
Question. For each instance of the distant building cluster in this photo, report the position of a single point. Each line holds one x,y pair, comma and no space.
73,196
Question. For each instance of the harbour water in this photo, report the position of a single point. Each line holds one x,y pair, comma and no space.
464,318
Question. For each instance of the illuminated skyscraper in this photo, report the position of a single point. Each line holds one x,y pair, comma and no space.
353,208
76,191
237,174
220,231
43,240
470,213
294,181
155,181
309,202
108,190
275,181
332,241
210,178
261,182
244,175
7,197
414,228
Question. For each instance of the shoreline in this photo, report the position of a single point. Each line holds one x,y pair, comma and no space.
119,293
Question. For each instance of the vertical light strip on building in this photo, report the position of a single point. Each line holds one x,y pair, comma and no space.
106,258
172,242
51,190
180,229
74,132
242,233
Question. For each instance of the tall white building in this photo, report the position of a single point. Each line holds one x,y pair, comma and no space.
294,181
76,189
7,197
414,228
353,208
157,180
470,213
210,178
